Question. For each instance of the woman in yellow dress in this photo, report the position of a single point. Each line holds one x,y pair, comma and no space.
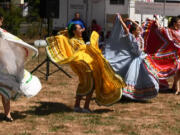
87,61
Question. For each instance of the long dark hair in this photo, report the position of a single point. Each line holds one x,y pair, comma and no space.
132,28
173,21
71,28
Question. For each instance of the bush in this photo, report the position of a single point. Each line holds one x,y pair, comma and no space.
36,31
12,19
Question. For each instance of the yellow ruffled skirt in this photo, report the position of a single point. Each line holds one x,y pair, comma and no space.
91,67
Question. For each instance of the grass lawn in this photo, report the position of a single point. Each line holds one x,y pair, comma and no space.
51,111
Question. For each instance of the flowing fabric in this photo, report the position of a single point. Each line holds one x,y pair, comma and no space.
162,46
89,64
29,51
13,54
161,50
123,53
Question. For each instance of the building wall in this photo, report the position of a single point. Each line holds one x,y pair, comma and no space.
96,10
101,10
67,10
138,17
142,17
113,9
63,13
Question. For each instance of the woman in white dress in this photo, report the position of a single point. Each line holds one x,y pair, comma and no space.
14,80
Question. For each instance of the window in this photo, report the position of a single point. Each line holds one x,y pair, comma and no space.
168,1
121,2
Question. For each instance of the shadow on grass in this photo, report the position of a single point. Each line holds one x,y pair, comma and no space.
1,116
167,91
100,111
125,100
15,115
46,108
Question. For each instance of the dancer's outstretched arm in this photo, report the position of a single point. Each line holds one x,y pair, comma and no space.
123,24
157,21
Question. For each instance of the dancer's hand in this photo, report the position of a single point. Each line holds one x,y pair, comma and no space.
119,16
123,24
157,21
155,16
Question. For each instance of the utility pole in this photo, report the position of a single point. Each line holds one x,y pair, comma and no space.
164,12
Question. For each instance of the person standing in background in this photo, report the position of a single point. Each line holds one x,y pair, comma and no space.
95,27
77,20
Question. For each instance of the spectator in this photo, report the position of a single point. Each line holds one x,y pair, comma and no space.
95,26
78,20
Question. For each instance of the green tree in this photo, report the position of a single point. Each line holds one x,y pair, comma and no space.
34,9
12,19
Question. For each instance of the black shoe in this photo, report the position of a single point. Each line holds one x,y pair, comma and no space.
8,119
86,110
77,109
